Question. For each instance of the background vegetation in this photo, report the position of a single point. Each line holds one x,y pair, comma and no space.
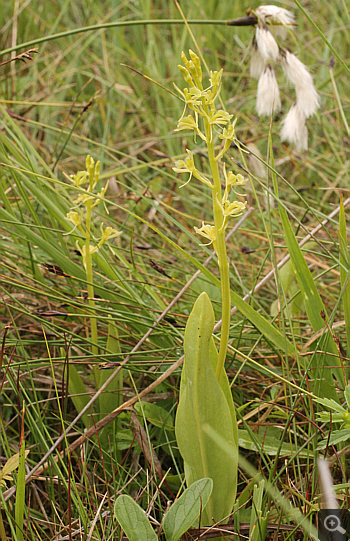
75,98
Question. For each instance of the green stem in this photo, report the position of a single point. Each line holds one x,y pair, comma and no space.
88,269
2,529
115,24
221,251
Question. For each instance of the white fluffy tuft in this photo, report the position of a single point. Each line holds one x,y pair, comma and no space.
266,43
268,95
308,100
294,129
257,62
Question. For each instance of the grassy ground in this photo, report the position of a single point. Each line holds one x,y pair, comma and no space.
75,98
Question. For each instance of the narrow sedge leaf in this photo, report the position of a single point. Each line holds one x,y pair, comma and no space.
112,396
20,492
267,445
270,332
313,305
203,410
78,392
185,511
344,276
313,302
133,520
343,250
347,395
256,513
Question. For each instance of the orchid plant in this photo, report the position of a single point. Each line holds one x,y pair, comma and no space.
80,216
206,426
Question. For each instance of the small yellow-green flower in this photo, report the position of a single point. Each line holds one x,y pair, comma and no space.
74,217
215,81
229,132
192,67
189,123
188,166
83,198
108,234
228,135
219,117
194,98
186,75
207,231
231,180
233,209
101,194
92,168
79,178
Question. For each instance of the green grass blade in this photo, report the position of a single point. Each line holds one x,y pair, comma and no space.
20,492
112,397
344,276
314,306
78,393
271,333
313,302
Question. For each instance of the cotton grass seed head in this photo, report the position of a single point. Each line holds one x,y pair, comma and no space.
294,129
266,43
266,55
257,62
297,73
280,19
268,95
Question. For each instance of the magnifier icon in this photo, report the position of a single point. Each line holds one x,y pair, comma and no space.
332,524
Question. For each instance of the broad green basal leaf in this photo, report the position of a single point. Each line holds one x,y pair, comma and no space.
133,520
183,513
203,411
